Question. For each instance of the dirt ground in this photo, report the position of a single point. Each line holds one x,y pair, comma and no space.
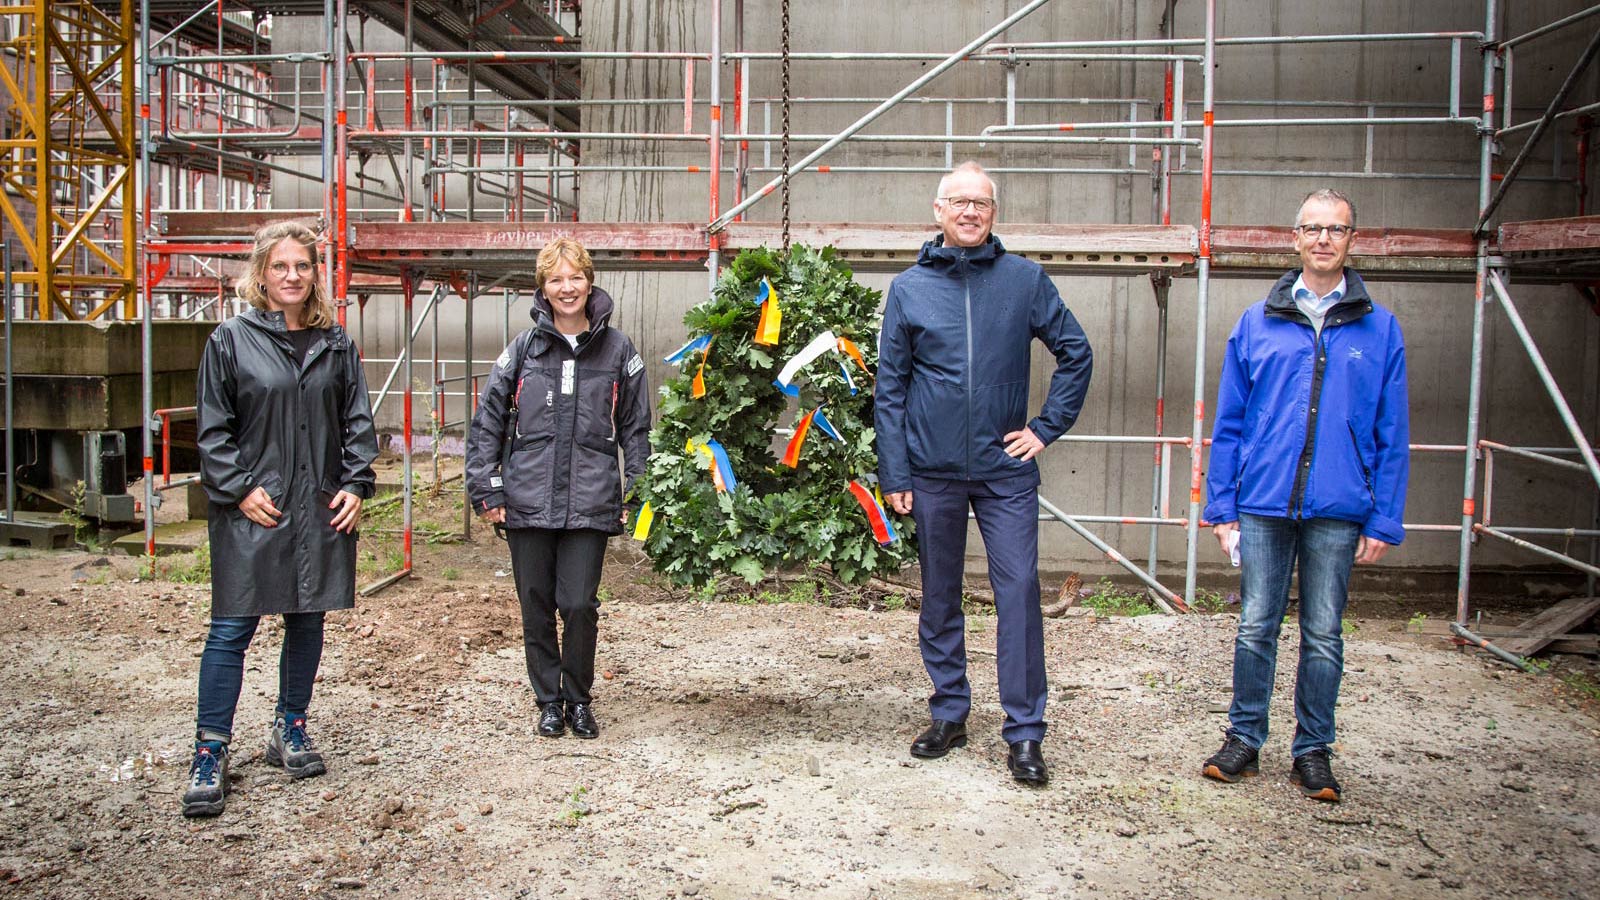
755,750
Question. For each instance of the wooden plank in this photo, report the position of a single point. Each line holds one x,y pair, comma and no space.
1371,242
1557,620
196,224
1575,233
1588,644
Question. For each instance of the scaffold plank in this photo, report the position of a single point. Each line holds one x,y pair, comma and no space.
1435,243
1542,235
193,225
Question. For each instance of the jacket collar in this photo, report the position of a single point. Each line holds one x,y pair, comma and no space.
937,253
273,323
599,308
1355,303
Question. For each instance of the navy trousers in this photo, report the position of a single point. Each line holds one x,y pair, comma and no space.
1008,518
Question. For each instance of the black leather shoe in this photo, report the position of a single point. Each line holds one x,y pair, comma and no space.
581,718
1026,763
551,722
939,738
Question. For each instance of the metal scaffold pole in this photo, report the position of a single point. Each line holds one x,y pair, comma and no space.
146,377
1469,488
1202,296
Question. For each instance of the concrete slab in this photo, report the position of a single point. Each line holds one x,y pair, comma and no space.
104,348
96,402
178,537
41,531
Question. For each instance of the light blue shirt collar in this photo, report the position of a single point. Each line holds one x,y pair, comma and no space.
1307,297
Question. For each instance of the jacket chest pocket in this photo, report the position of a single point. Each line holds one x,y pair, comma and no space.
596,393
537,403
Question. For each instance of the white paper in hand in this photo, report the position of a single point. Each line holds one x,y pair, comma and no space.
1231,541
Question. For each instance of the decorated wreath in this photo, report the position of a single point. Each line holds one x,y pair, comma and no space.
786,341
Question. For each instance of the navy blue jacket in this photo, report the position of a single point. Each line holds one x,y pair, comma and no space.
954,366
1310,428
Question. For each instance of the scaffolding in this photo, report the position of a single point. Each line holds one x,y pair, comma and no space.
479,183
68,155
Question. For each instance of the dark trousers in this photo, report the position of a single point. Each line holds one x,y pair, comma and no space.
222,670
1008,519
558,571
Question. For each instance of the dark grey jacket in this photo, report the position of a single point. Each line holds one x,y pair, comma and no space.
304,434
574,409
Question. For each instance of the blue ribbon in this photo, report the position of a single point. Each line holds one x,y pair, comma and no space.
695,346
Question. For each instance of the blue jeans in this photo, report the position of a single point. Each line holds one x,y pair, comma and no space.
222,670
1268,549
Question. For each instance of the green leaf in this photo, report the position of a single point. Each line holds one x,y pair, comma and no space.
749,569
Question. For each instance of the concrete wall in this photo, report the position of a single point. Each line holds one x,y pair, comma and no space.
1119,313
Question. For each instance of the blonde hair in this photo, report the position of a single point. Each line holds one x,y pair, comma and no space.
562,249
252,287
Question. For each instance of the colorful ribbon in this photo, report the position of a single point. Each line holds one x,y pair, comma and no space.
819,345
721,469
882,528
791,454
771,315
642,522
849,348
698,388
826,426
850,382
703,342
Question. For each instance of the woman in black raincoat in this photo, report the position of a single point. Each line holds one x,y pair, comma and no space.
542,462
286,449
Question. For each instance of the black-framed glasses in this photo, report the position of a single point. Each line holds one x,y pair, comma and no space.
1337,232
959,204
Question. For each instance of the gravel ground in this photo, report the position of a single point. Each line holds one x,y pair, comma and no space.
753,751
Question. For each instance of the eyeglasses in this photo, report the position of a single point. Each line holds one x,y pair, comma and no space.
960,204
281,269
1337,232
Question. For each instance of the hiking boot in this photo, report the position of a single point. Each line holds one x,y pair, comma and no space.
552,719
1235,761
290,747
1314,776
207,794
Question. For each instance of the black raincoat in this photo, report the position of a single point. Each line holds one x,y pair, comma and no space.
574,409
303,434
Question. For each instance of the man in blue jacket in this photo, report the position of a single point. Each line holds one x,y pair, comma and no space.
1309,458
953,432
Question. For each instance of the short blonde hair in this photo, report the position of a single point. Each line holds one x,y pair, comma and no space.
562,249
252,287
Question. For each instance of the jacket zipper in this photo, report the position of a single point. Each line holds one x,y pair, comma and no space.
1303,469
1366,473
966,282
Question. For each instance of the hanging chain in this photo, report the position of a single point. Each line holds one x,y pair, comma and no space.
786,125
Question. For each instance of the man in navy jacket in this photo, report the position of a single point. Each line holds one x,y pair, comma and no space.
1309,458
952,428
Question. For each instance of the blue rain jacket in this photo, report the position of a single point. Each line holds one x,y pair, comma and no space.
1311,427
954,366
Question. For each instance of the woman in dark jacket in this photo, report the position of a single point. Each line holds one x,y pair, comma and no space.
286,449
542,462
